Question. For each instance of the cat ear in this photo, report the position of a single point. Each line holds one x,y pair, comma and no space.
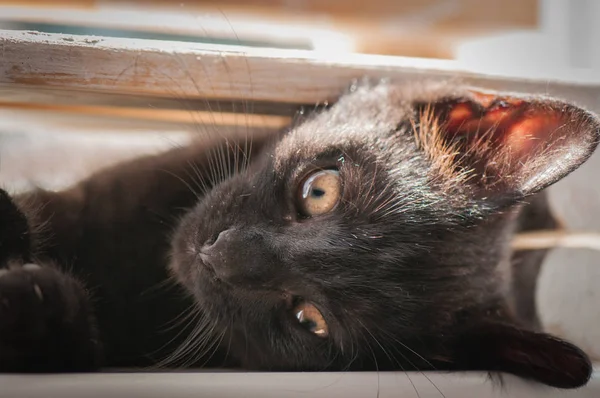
530,355
505,145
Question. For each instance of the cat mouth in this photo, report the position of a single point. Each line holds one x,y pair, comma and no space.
204,262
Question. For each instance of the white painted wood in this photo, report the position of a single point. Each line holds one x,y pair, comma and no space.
187,70
556,238
278,385
178,20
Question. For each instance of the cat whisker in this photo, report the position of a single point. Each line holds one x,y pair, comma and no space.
196,343
417,369
246,105
354,354
390,357
212,162
226,356
190,315
198,176
171,359
174,357
351,342
216,344
192,190
195,182
376,367
170,282
199,347
413,365
371,187
218,161
245,336
224,152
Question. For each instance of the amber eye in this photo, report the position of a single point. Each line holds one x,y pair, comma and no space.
320,192
310,317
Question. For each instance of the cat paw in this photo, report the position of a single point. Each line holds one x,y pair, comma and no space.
45,322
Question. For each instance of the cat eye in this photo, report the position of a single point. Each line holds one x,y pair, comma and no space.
311,318
320,192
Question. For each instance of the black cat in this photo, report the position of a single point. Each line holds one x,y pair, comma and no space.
371,235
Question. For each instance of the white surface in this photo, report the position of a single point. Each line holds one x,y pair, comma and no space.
565,46
266,385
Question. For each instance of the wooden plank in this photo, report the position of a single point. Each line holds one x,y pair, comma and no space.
39,121
66,97
221,383
519,13
209,25
429,28
277,31
455,13
165,115
187,70
136,108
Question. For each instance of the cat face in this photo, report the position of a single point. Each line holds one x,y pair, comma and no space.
373,234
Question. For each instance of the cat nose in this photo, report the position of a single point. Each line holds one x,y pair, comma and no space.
240,256
221,239
213,253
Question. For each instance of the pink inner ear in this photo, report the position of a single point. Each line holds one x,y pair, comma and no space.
527,134
507,144
503,123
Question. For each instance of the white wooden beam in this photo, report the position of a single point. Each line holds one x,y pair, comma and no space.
188,70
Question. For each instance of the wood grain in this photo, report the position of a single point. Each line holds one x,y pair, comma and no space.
187,70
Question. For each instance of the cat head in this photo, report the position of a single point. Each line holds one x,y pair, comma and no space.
374,234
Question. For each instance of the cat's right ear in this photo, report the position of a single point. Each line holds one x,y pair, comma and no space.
504,147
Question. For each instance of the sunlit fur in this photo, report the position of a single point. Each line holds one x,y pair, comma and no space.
416,253
410,271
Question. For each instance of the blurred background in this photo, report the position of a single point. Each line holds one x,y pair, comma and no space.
416,28
533,37
545,40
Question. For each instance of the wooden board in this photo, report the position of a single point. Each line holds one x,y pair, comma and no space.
176,116
191,71
445,13
278,385
417,28
174,23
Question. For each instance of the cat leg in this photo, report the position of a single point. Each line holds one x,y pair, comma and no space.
46,323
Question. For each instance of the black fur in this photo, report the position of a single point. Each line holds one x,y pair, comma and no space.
411,270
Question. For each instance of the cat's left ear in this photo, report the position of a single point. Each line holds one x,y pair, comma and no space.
505,146
530,355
